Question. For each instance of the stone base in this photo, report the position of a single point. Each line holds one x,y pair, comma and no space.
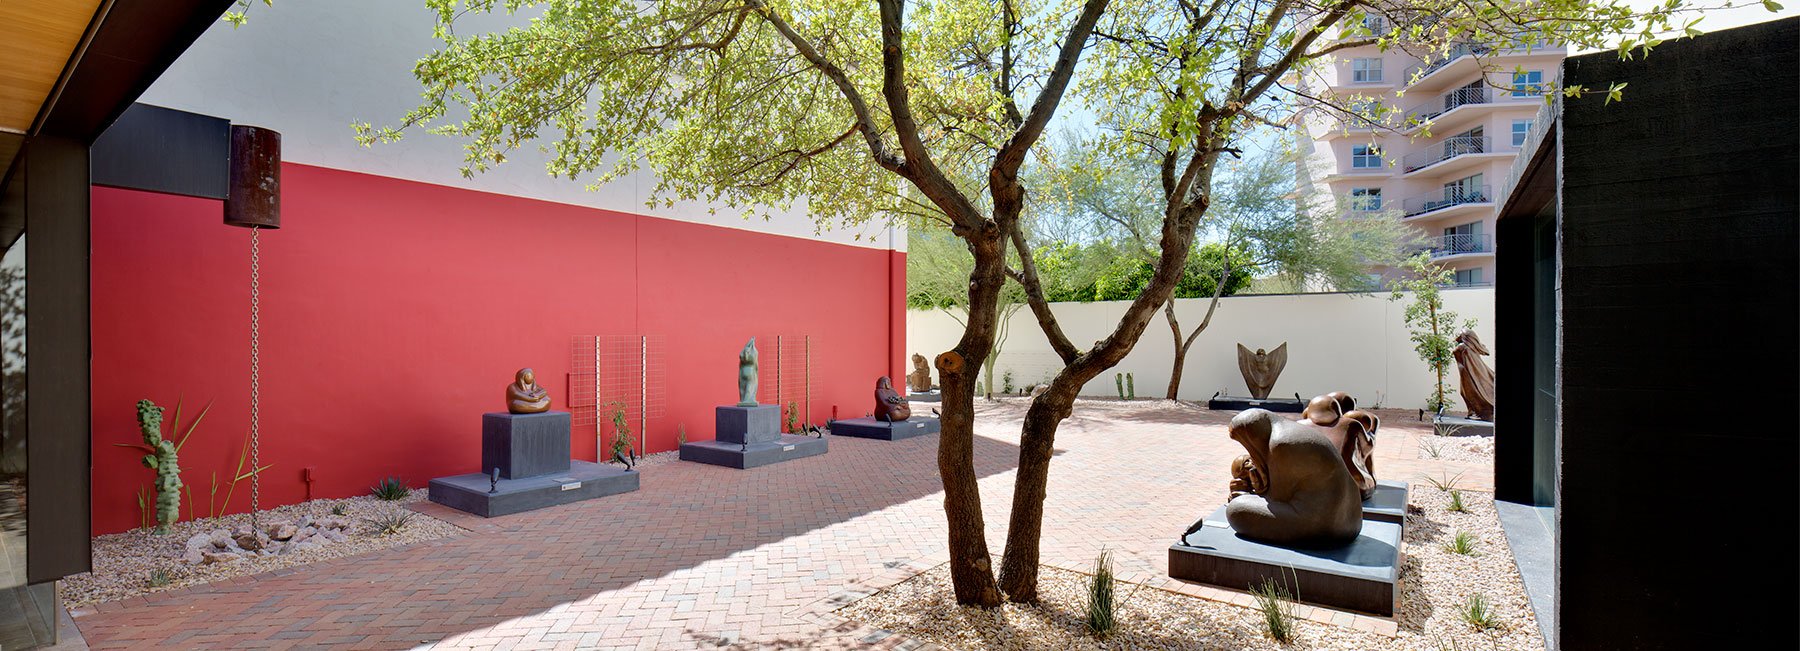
758,424
1362,576
1459,426
583,481
737,455
1388,504
1278,405
524,445
869,428
933,395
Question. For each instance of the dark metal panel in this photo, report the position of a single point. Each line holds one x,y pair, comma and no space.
165,150
56,347
135,42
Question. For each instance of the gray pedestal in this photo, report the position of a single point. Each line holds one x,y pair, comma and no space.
759,424
580,481
525,445
1388,504
1459,426
1235,403
1361,576
869,428
738,455
934,395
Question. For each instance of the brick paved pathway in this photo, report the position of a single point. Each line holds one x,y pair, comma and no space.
704,556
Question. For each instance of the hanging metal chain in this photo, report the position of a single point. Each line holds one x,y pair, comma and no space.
255,377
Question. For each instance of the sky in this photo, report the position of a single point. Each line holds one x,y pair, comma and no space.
1739,14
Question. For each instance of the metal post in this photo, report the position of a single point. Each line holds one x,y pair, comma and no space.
599,445
806,359
778,402
643,395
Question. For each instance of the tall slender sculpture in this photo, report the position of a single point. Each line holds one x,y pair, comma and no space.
747,375
1261,368
1292,488
1477,377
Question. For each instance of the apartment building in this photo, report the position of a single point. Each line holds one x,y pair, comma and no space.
1449,123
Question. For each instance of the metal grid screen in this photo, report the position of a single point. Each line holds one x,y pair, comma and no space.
614,372
784,375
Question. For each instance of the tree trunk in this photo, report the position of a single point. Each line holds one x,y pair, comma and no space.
1180,352
971,565
1019,568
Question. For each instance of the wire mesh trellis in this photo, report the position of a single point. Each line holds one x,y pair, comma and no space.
784,375
610,373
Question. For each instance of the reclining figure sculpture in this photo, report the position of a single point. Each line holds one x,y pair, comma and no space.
1293,487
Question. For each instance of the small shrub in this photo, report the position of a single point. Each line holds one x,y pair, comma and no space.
1432,450
1462,543
1006,381
1446,483
680,434
388,524
1100,607
1479,613
392,489
1277,607
339,509
1130,387
158,578
793,418
1119,379
1456,503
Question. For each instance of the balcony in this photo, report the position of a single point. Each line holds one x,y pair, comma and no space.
1450,245
1446,199
1417,75
1449,148
1447,102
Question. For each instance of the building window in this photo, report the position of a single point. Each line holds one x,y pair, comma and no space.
1520,129
1368,199
1468,277
1365,71
1528,83
1377,25
1464,238
1466,190
1364,157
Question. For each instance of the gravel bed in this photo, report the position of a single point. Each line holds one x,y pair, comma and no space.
1435,585
124,562
1475,449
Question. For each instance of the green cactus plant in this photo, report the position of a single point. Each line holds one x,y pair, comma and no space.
162,456
1130,387
1119,380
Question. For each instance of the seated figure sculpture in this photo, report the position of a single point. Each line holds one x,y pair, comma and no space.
1292,488
1352,431
919,381
524,396
890,407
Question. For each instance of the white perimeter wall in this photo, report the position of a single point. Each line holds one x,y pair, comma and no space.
1336,342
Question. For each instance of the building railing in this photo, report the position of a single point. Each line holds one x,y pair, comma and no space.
1456,51
1449,245
1446,198
1446,149
1448,102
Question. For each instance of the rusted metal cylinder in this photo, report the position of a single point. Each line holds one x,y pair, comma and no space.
254,198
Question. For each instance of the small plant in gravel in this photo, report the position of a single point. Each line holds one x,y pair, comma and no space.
392,489
1462,543
1456,503
1479,613
388,524
1277,606
680,434
1446,483
1130,387
339,509
1431,448
1119,379
158,578
1100,606
1006,382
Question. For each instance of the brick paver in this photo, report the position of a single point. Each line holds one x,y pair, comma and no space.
704,556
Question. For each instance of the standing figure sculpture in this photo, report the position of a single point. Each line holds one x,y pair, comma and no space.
1352,431
919,381
524,396
1477,378
1292,488
890,407
747,375
1261,368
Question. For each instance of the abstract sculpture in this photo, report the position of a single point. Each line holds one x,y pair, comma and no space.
1292,488
920,379
524,396
1261,368
889,405
1351,431
747,375
1477,378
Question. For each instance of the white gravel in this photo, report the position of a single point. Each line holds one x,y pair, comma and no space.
1475,449
124,562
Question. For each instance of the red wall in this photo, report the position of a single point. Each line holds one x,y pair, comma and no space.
394,314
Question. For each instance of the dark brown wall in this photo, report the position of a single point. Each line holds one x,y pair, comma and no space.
1679,322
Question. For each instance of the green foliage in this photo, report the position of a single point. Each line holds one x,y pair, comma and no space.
1479,613
1445,483
793,418
1119,381
1432,448
1433,327
1456,503
680,434
1006,382
1130,388
158,578
390,489
339,509
390,523
1462,543
161,456
622,443
1277,606
1101,614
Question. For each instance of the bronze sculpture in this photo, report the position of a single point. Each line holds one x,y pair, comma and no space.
524,396
1477,378
1292,487
889,405
1351,431
747,375
920,379
1261,368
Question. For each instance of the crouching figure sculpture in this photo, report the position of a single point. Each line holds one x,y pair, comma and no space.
1293,487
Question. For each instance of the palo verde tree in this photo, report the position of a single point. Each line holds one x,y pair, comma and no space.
1432,325
937,278
881,108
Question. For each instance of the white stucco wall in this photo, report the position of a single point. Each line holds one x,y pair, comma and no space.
310,69
1336,342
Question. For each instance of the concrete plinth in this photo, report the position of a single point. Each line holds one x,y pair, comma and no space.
1388,504
744,456
934,395
869,428
525,445
759,424
1278,405
1459,426
581,481
1361,576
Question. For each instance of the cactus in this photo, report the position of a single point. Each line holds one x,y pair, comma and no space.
1130,388
1119,379
161,459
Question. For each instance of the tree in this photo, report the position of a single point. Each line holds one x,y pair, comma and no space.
937,271
759,104
1432,326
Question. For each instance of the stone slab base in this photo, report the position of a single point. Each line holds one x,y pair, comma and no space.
929,396
525,445
583,481
759,424
1361,576
1388,504
1459,426
869,428
1278,405
736,455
